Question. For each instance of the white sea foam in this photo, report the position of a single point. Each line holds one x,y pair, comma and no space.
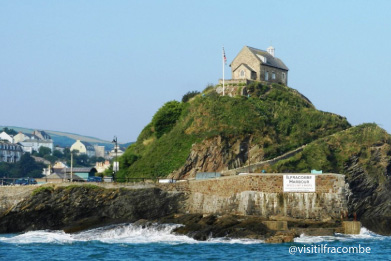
243,241
40,236
134,234
157,233
125,233
365,234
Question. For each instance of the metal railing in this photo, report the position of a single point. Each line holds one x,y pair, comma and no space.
44,180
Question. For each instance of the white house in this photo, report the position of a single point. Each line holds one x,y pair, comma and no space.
83,148
31,145
5,136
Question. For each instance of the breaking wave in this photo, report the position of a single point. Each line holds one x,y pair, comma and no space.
125,234
365,234
157,233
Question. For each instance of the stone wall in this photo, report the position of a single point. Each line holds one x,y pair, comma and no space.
250,194
11,195
263,195
233,88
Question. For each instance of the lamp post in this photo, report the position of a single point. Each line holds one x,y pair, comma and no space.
71,167
115,164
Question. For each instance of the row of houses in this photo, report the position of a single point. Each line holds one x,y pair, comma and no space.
13,147
83,147
32,142
61,172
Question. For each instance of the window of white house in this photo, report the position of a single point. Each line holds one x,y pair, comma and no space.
273,75
242,73
266,75
283,76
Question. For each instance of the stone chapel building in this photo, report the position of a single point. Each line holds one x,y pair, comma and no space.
259,65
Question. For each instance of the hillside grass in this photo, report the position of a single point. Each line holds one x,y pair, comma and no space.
367,142
279,118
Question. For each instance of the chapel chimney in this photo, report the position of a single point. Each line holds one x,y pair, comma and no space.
270,50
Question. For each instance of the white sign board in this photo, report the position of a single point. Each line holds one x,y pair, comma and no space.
299,183
115,166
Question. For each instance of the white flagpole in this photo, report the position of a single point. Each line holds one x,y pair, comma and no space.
223,72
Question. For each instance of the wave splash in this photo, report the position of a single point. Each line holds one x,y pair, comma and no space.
156,233
123,234
365,234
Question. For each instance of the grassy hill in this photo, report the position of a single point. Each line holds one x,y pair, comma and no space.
275,118
368,144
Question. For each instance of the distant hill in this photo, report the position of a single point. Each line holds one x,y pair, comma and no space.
65,139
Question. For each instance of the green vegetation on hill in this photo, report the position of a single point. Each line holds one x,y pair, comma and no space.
368,143
278,118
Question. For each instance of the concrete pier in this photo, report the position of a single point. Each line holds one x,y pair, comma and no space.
351,227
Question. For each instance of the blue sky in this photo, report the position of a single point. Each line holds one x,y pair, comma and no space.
103,68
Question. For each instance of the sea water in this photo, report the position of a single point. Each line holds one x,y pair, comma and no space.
157,242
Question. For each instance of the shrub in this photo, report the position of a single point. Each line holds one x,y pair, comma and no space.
209,87
166,117
189,95
256,89
42,189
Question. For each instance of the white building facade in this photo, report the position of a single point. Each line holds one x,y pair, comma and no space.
10,152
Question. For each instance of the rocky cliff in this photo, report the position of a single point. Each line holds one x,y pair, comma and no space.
76,208
362,153
218,154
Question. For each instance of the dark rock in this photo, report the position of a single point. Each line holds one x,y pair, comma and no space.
369,198
231,226
77,208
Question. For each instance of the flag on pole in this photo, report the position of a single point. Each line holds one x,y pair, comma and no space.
224,63
224,58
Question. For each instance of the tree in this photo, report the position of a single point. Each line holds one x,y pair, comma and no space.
10,131
58,154
50,158
44,151
95,159
81,160
27,167
5,169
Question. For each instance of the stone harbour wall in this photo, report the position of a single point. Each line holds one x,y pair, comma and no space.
250,194
263,195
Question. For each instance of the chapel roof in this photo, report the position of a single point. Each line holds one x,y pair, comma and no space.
270,59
